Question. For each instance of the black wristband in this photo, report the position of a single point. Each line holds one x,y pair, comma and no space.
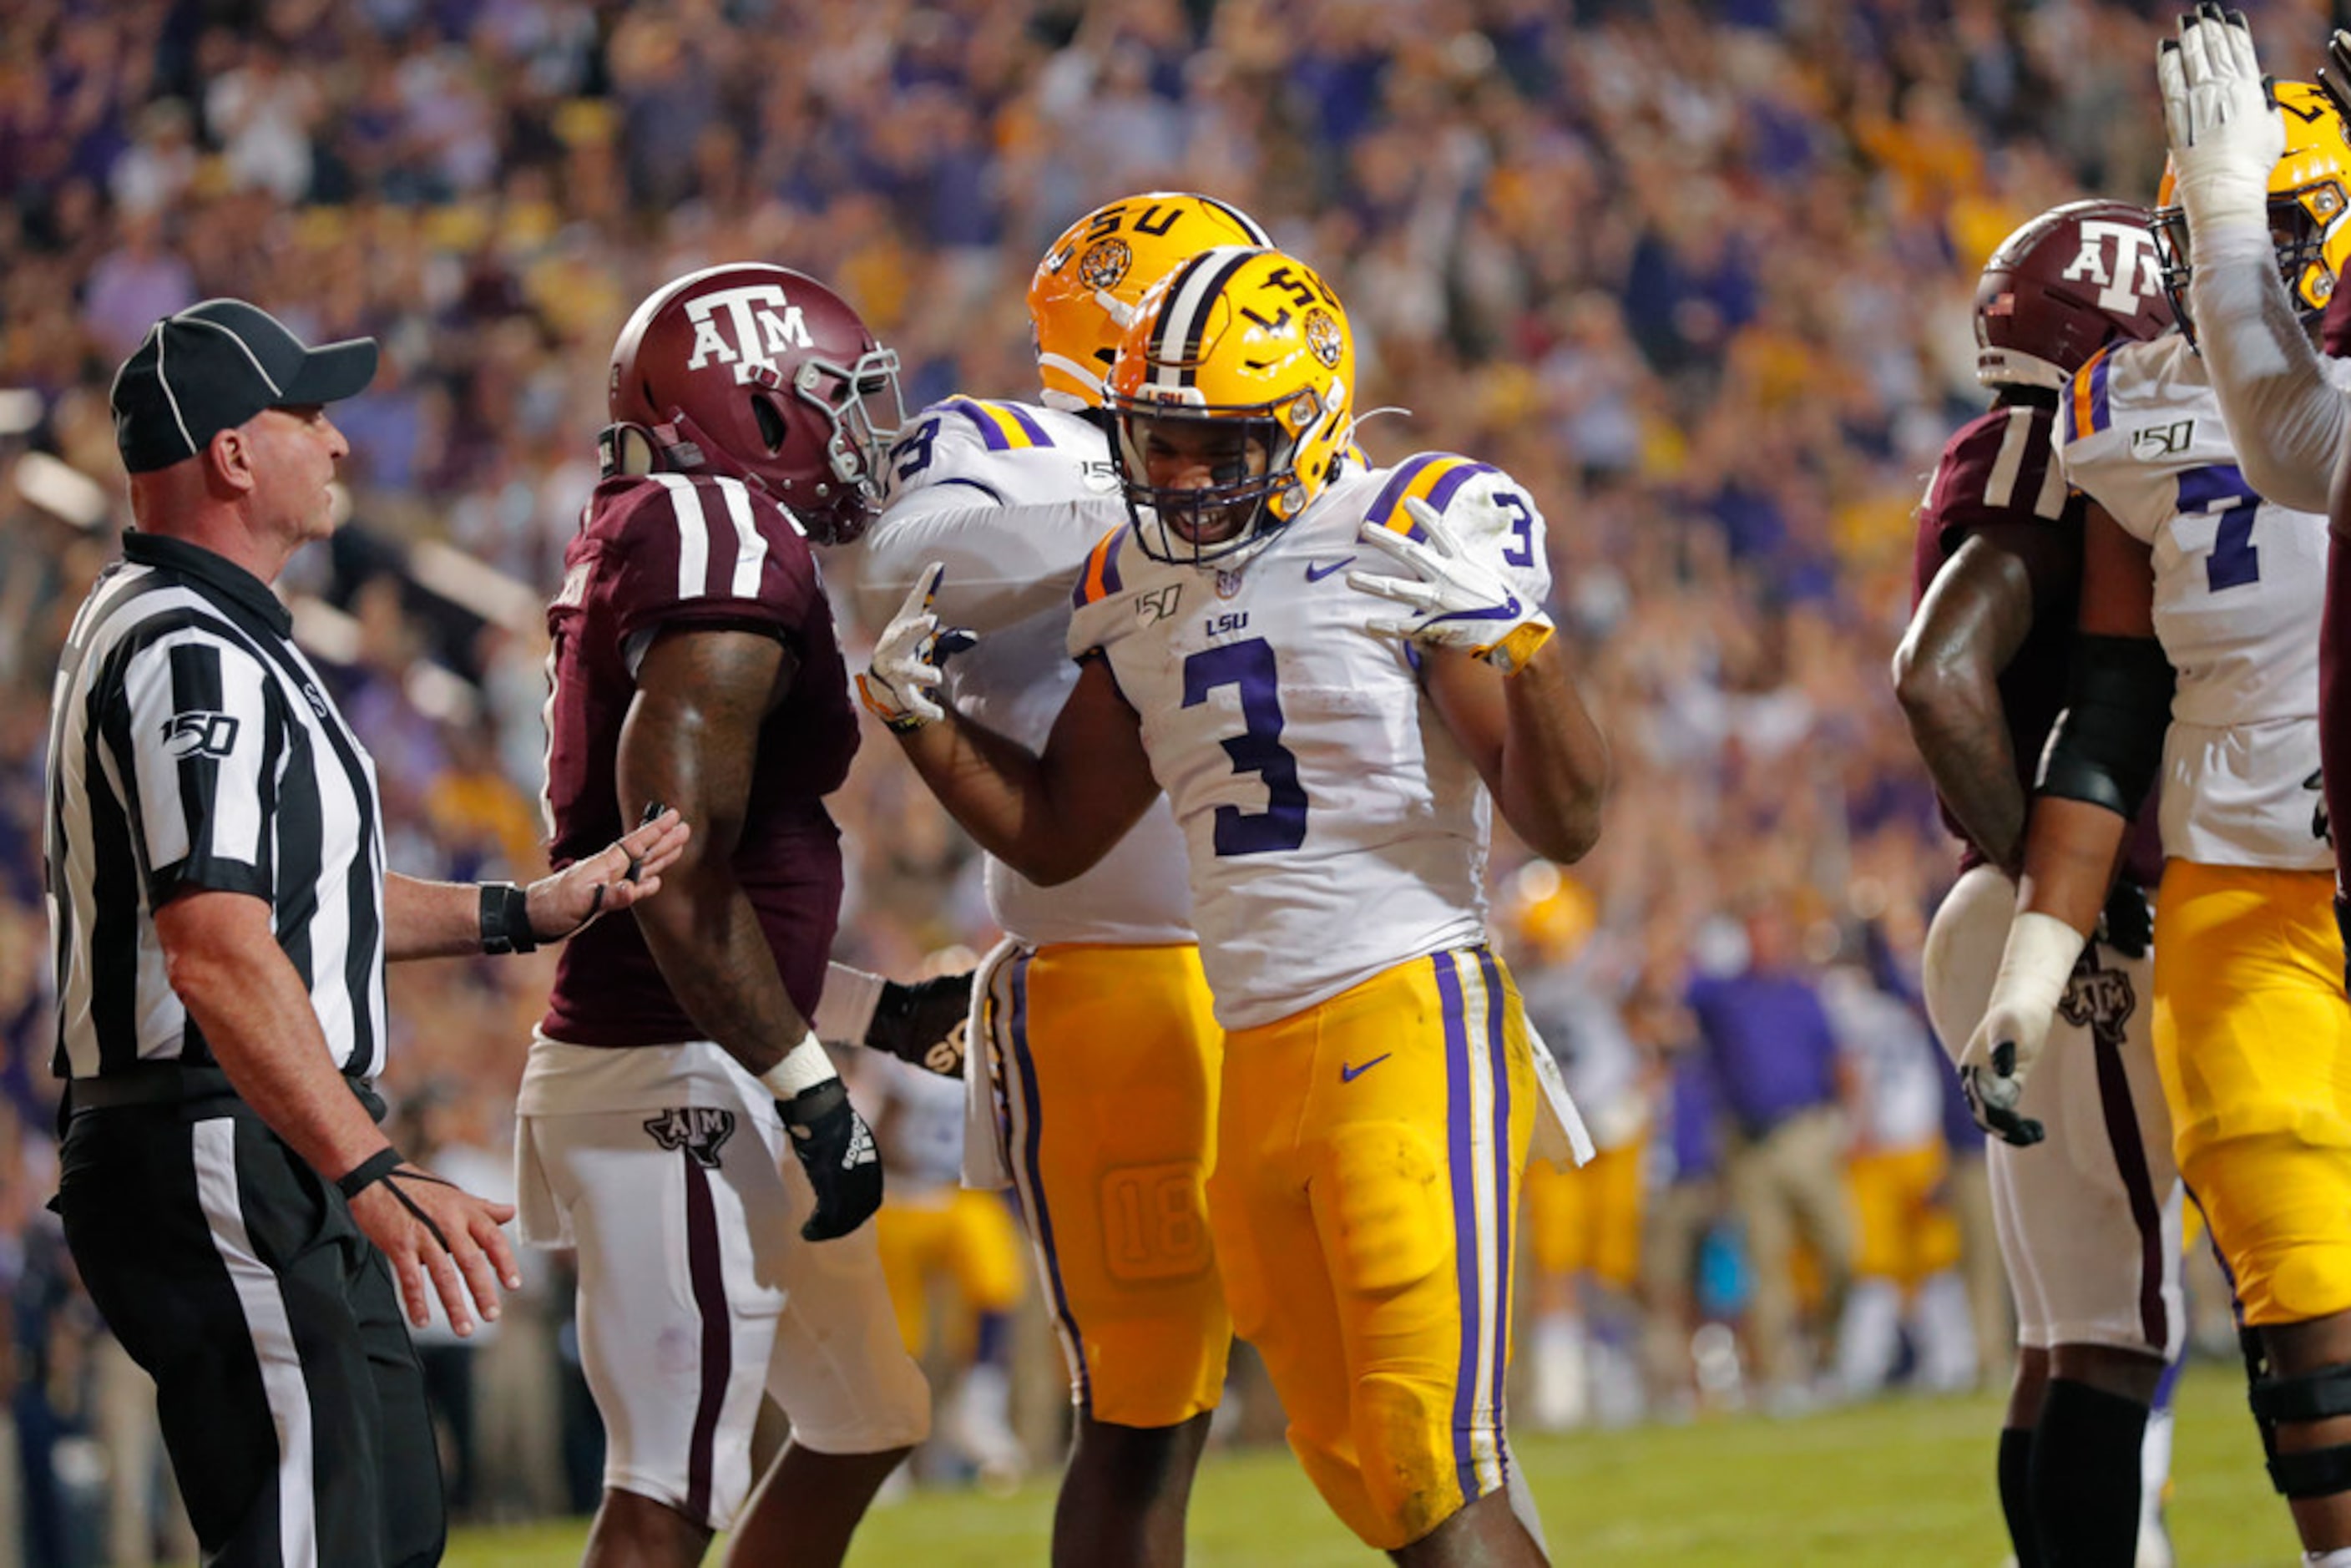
506,919
368,1172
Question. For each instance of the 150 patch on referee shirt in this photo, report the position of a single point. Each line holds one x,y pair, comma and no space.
200,734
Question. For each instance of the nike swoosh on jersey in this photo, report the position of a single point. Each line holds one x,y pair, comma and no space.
1316,571
1349,1074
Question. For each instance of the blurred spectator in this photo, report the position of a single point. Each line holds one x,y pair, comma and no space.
1775,1058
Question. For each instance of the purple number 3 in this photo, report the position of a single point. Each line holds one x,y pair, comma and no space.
1521,553
1256,749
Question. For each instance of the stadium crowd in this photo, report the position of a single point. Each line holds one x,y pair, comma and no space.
1698,275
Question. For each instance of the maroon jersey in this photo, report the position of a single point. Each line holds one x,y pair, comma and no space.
2001,470
672,551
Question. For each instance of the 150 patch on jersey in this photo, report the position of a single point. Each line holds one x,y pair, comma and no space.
199,734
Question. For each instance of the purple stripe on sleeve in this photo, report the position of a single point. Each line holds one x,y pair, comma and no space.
1464,1219
717,1334
1028,427
1390,494
2101,416
1441,494
990,432
1110,582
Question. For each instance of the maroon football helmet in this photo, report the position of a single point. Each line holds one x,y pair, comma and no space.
2065,285
766,375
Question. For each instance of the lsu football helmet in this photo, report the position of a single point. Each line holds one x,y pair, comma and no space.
2310,202
1237,376
2062,287
762,374
1093,278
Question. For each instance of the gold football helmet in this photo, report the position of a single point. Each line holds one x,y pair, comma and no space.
1233,393
1093,278
2310,202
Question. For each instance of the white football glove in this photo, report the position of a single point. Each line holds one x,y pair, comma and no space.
2006,1046
2226,136
899,680
1458,600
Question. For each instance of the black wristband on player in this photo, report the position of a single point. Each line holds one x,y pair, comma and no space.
506,919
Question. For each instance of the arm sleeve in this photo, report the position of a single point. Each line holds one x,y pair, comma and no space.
2286,420
195,752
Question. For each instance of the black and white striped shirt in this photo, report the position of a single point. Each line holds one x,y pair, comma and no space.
191,745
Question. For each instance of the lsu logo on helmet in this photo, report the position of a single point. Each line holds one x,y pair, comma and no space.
1093,278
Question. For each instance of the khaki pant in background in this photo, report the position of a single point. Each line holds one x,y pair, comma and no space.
1789,1181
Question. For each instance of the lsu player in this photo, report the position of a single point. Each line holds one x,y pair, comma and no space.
1095,1034
2088,1221
2189,568
1331,739
2263,187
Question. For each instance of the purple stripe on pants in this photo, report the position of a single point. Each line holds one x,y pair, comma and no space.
1032,1147
1499,1051
1464,1219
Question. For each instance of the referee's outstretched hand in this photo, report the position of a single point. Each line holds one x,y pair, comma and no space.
429,1226
614,878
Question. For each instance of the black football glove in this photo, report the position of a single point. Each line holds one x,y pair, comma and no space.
924,1023
2128,923
836,1148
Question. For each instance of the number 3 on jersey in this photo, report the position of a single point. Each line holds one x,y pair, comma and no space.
2220,491
1256,749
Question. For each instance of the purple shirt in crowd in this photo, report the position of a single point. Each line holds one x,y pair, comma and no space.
1769,1044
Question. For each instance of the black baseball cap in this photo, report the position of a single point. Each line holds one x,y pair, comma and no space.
216,365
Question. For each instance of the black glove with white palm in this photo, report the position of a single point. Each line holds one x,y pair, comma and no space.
900,680
2226,137
1458,600
2034,968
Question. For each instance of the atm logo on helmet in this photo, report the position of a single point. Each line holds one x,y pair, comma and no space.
746,327
2136,273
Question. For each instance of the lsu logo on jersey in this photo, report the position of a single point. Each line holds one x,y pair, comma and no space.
2133,273
745,328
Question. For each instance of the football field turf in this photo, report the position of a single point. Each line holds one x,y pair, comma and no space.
1901,1481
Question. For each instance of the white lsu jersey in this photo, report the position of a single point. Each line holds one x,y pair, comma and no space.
1335,826
2240,591
1010,498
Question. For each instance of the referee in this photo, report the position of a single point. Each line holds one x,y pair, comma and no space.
222,918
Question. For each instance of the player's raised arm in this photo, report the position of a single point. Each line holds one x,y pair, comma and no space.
1049,818
2248,164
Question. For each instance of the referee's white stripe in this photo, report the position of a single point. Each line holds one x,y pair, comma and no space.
750,544
258,1291
1485,1428
693,535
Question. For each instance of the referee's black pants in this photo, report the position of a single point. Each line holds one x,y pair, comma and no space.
291,1398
